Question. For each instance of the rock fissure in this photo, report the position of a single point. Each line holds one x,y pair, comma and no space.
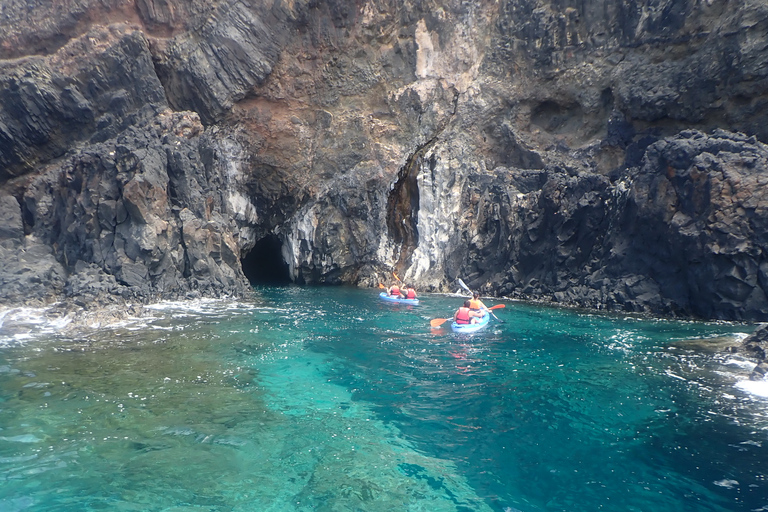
403,208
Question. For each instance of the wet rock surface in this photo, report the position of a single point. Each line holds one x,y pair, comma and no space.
755,347
601,155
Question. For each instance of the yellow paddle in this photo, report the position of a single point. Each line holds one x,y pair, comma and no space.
437,322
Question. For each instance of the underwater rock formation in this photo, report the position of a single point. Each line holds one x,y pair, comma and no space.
600,154
755,347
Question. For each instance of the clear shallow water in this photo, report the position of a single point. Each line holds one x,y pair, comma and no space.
328,399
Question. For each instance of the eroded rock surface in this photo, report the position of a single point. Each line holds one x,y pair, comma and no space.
680,234
600,154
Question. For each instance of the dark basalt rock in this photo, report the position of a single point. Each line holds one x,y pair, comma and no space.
132,217
49,105
681,235
698,201
30,273
208,70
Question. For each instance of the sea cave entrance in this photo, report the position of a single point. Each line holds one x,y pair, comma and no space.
264,264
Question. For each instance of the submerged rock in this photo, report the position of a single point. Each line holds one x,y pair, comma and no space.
760,372
755,347
756,344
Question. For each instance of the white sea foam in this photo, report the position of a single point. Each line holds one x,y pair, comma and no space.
740,363
203,306
668,372
754,387
25,438
24,323
23,316
727,483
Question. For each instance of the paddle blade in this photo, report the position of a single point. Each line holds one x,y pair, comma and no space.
382,286
437,322
396,276
464,285
497,306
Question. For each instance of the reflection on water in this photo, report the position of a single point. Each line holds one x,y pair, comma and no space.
328,399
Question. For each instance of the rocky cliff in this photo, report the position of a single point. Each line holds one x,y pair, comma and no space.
595,153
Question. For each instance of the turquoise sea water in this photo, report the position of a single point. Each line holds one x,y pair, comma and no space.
328,399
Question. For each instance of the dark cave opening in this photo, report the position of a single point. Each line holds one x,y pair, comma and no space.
264,264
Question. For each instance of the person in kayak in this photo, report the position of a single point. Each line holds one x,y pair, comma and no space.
394,291
407,292
476,304
466,315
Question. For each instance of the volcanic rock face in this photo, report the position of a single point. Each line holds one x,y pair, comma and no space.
593,153
680,234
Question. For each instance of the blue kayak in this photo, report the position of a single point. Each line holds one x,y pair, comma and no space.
465,328
385,296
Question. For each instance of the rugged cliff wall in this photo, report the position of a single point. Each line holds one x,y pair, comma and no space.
598,153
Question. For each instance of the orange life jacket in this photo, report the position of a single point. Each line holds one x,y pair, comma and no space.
462,316
395,290
474,304
411,293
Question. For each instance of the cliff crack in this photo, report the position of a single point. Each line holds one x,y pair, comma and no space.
403,200
403,207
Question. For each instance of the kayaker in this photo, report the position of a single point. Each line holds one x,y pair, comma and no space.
476,304
466,315
407,292
394,291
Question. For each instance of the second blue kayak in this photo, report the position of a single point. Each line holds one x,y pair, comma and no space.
399,300
465,328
